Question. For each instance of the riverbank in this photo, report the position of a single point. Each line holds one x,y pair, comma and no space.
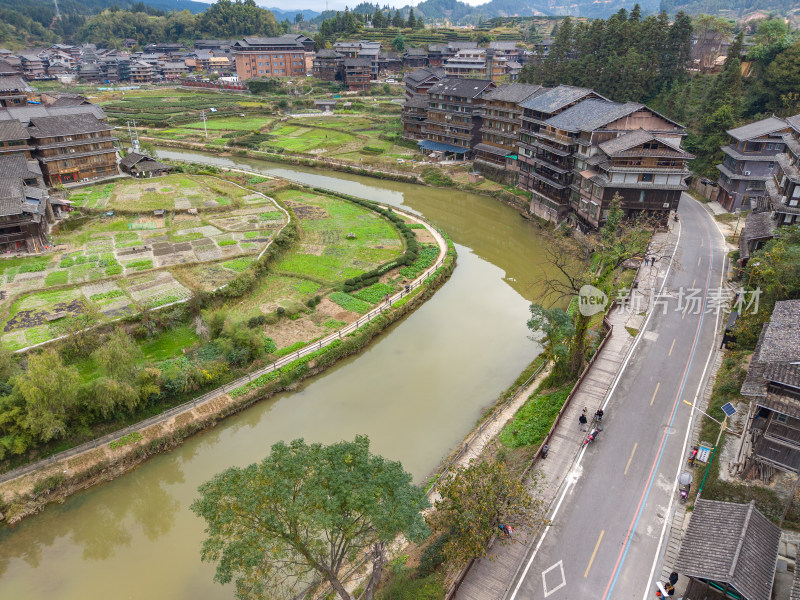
504,196
60,476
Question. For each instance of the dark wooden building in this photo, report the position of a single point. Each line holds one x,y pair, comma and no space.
14,139
73,148
13,91
502,115
141,166
328,65
357,73
455,117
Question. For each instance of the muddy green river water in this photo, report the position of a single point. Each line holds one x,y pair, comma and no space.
416,392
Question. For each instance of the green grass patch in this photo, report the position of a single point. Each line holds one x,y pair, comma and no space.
274,215
427,256
289,349
114,270
125,440
532,422
140,265
251,235
227,242
238,264
170,343
349,303
374,293
333,324
56,278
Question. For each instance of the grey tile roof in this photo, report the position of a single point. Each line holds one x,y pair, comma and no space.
626,141
732,544
556,98
416,52
757,129
465,88
503,45
785,373
12,196
12,130
328,53
44,127
779,342
268,41
417,101
513,92
462,45
24,114
13,83
358,62
794,122
16,165
591,114
759,226
782,339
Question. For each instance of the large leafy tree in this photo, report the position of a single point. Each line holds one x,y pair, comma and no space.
306,510
475,501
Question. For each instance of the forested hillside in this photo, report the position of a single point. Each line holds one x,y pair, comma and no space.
631,58
740,7
29,22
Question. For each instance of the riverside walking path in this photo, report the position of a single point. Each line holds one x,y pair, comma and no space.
492,578
70,461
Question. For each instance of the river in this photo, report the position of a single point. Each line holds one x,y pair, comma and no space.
416,391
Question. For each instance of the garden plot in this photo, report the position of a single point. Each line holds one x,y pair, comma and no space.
108,298
248,219
340,239
179,192
156,289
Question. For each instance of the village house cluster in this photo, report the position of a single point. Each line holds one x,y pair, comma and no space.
59,139
573,149
90,64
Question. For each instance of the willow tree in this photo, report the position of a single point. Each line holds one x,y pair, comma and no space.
307,512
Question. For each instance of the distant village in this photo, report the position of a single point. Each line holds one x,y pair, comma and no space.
570,147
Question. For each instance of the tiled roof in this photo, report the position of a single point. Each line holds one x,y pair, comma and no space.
24,114
12,196
268,41
731,544
12,130
44,127
465,88
758,226
782,339
328,53
626,141
462,45
16,165
13,83
513,92
591,114
417,101
794,121
69,100
357,62
779,342
784,373
503,45
556,98
757,129
416,52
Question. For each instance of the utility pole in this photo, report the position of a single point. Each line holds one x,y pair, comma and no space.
133,136
204,123
711,458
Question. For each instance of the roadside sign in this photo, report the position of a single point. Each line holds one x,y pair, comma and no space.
729,409
704,452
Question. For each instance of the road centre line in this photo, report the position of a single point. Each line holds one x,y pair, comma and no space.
698,260
628,466
655,391
583,448
591,560
672,346
664,437
700,387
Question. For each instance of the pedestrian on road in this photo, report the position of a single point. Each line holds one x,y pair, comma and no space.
582,420
646,260
673,578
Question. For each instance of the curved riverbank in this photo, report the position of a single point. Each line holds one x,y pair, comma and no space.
28,489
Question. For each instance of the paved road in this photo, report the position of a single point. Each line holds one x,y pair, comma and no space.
609,515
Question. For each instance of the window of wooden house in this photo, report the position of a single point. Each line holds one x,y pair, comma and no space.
646,178
752,146
650,145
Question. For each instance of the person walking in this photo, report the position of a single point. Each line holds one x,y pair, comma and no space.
582,420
